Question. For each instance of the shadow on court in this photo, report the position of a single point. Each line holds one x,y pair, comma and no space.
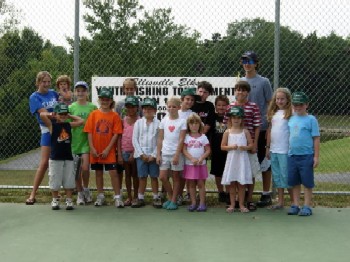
36,233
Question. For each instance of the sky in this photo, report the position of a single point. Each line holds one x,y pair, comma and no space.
54,19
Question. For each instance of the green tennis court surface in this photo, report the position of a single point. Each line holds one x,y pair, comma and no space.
36,233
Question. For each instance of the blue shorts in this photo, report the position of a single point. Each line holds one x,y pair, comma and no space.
279,167
107,167
144,169
301,170
45,139
126,156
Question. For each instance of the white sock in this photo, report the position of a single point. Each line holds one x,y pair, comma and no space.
155,196
117,197
140,196
266,193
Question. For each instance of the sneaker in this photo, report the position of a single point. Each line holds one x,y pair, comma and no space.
100,200
191,208
265,200
179,200
118,203
136,203
69,205
166,204
172,206
187,197
55,204
157,203
80,199
88,196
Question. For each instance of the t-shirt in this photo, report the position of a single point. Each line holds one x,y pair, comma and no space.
102,127
80,143
127,136
61,140
206,112
218,131
260,93
38,101
195,146
302,130
279,133
172,129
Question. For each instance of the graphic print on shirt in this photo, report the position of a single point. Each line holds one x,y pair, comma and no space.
171,128
103,127
194,144
63,137
220,127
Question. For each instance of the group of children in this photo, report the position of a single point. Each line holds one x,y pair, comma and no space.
129,137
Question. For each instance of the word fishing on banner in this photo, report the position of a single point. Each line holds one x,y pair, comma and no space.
162,88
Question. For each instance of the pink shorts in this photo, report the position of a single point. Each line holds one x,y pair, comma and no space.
195,172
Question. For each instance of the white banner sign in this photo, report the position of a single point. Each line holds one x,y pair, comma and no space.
162,88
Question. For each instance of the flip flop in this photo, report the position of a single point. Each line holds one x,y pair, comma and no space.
275,207
30,201
230,210
127,202
172,206
244,210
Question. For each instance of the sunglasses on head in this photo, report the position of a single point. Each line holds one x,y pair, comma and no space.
248,62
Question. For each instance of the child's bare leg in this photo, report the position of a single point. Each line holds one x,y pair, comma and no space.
219,186
280,196
241,195
99,181
290,191
142,185
296,195
232,192
135,179
176,185
250,191
85,170
128,179
115,182
192,190
307,196
202,192
154,185
163,176
69,192
54,194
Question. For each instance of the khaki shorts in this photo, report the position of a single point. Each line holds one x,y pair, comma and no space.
167,163
61,173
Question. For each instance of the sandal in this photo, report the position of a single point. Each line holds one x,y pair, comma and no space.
30,201
127,202
251,206
244,210
275,207
202,208
171,206
192,208
293,210
166,204
230,210
305,211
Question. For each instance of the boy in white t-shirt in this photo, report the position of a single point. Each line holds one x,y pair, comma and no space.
172,132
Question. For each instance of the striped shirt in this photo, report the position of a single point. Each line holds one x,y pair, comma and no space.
252,117
144,137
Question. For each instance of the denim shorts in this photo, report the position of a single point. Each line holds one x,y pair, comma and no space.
126,156
301,170
144,169
279,166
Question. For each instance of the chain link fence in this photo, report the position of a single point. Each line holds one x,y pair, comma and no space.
176,38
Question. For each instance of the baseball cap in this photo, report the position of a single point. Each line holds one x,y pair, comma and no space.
149,102
82,84
105,92
236,111
132,100
190,92
299,98
250,55
61,108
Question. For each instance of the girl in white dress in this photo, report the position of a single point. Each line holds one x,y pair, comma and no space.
237,173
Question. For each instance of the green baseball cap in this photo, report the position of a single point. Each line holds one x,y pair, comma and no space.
236,111
190,92
61,108
149,102
132,100
105,92
299,98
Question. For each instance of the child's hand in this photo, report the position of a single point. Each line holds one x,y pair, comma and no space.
93,152
120,160
151,159
104,153
242,148
175,160
131,158
194,161
144,158
159,160
234,147
267,154
316,161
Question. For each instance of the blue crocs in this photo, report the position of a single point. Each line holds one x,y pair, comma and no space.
293,210
166,204
171,206
305,211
